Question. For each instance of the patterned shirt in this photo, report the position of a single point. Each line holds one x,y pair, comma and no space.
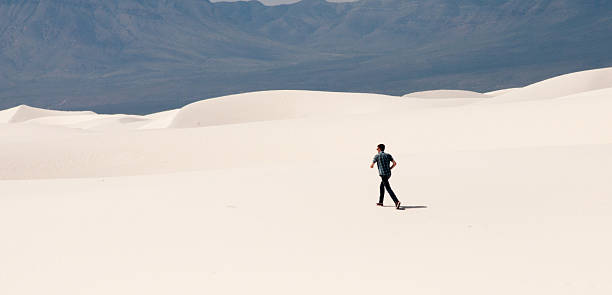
382,160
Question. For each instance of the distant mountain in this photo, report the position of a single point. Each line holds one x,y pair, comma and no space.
137,56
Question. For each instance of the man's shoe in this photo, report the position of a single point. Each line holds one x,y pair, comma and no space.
397,205
379,204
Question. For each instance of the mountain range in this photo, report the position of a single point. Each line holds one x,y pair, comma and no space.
137,56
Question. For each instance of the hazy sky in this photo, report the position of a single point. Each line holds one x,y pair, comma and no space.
276,2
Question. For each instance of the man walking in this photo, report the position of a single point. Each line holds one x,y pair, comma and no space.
383,159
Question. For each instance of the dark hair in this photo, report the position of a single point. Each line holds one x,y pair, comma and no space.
381,147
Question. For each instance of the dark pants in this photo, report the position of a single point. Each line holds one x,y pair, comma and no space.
385,184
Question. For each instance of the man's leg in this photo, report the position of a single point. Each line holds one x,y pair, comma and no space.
382,191
385,182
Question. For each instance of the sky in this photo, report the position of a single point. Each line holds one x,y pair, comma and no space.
276,2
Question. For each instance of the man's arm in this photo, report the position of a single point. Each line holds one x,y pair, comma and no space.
372,166
394,163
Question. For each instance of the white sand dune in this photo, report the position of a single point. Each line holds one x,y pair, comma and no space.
565,85
113,122
500,92
100,122
160,120
447,94
163,115
24,113
270,192
65,121
86,120
278,105
419,103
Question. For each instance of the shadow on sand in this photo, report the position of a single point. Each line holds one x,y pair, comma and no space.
408,207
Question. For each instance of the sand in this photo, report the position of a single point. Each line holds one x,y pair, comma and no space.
445,93
564,85
270,193
500,92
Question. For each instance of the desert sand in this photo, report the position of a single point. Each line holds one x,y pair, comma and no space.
270,192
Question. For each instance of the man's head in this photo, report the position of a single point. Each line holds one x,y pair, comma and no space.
381,147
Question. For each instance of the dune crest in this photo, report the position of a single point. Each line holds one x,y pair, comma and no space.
24,113
563,85
277,105
501,91
445,93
